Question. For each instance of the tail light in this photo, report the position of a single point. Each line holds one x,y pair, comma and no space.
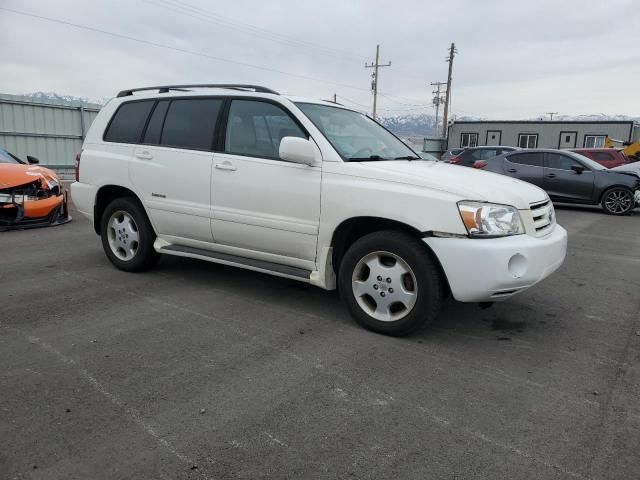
455,159
78,155
479,164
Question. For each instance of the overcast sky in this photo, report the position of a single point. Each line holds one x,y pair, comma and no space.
516,59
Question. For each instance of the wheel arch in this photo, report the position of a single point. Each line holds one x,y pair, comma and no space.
104,196
352,229
608,189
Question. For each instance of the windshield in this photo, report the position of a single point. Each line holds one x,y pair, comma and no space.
592,164
6,157
355,136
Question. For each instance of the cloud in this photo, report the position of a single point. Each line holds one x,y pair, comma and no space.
516,59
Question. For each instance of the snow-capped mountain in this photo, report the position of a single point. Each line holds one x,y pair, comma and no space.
53,97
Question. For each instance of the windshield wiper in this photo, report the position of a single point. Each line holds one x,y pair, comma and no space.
372,158
407,157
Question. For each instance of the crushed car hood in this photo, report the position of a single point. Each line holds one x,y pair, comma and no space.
465,183
14,175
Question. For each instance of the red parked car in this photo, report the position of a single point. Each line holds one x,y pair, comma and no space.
607,157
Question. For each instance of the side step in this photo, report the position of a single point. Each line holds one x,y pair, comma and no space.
236,261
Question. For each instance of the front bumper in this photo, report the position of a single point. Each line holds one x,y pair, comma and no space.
489,270
36,213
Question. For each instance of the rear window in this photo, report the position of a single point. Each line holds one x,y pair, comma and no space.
128,122
191,123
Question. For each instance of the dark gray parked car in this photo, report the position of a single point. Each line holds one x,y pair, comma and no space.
473,154
570,177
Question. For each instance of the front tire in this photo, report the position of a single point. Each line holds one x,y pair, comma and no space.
390,283
127,236
618,201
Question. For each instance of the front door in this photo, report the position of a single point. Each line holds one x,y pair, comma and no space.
262,204
526,166
171,169
563,183
568,139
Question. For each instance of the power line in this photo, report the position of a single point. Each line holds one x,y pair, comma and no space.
208,16
180,50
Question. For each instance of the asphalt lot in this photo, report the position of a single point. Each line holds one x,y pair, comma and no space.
196,370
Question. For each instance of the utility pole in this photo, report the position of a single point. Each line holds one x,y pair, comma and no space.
437,99
551,114
447,101
374,76
335,98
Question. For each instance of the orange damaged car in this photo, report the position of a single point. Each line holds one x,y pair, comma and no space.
30,196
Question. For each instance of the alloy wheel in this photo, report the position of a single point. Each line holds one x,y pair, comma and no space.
384,286
124,238
618,201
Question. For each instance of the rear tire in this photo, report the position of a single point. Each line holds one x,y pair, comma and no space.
127,235
390,283
618,201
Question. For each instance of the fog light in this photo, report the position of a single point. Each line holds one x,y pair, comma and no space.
517,265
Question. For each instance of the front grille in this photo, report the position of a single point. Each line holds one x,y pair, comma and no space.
543,217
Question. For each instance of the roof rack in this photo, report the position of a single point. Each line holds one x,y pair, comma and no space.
167,88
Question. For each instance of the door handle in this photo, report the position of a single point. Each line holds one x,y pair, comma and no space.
144,156
226,165
551,175
512,170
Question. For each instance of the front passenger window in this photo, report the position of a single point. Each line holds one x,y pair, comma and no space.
561,162
255,129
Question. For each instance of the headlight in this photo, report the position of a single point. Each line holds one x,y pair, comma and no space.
490,220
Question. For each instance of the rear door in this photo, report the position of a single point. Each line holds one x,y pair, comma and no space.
526,166
563,183
171,168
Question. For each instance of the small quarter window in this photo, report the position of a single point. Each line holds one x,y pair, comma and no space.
128,122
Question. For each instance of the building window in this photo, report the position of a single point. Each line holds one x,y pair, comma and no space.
468,140
594,141
528,140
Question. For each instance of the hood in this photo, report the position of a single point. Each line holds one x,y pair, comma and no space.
463,182
627,168
14,175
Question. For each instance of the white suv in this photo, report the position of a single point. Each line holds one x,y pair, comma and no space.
308,190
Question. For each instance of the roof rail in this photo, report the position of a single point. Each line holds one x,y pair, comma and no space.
167,88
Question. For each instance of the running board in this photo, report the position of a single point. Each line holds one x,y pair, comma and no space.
236,261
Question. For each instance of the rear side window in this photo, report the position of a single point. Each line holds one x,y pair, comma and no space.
128,122
190,123
602,157
531,159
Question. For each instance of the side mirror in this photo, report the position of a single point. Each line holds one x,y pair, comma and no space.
577,168
297,150
32,160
